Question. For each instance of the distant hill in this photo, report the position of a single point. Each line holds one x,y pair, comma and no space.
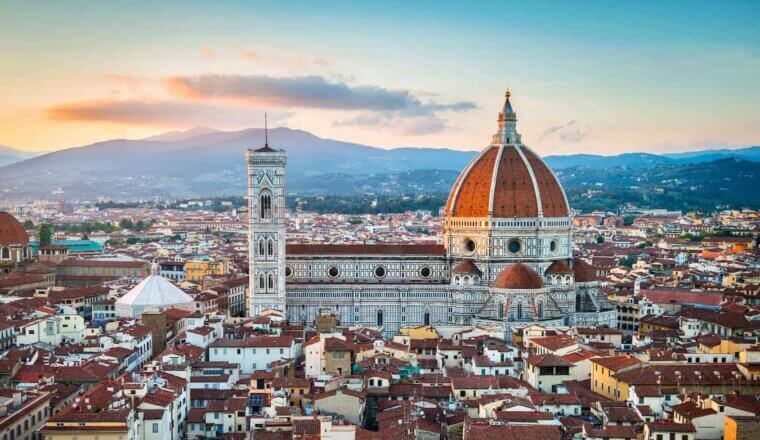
731,182
10,155
596,161
209,162
204,162
638,160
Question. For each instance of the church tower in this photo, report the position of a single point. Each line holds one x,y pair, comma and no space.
266,228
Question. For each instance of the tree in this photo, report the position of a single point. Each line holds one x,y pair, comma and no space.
28,224
126,223
628,261
599,239
628,220
132,240
45,234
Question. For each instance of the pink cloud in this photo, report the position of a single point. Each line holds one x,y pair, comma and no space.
208,53
156,113
250,54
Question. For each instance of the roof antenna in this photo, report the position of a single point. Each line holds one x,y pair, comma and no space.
266,131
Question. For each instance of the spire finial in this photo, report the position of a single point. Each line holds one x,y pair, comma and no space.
266,131
507,94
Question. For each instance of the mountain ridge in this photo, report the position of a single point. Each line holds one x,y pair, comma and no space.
205,161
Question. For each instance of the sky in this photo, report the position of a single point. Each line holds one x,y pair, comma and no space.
585,77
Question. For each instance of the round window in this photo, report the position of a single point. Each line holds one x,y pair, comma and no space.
553,246
425,272
515,246
288,271
379,271
469,245
333,272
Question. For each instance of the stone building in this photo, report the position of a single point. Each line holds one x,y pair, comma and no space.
506,256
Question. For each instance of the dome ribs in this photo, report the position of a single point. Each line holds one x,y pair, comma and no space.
513,193
553,201
507,180
518,276
472,198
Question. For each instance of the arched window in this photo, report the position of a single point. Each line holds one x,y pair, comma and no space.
426,318
379,317
270,247
577,302
500,305
261,247
262,282
519,311
271,282
265,205
6,253
540,309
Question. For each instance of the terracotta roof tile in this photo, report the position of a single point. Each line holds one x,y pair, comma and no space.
11,230
518,276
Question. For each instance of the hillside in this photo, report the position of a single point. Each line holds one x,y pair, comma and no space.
208,162
10,155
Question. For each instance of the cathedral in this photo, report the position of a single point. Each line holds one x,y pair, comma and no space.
506,257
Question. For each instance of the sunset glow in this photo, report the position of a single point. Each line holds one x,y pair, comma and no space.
641,76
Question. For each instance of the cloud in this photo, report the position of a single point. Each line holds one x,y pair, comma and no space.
550,131
208,53
303,91
321,62
570,132
169,113
250,54
409,126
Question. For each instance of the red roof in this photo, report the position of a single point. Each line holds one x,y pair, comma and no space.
480,429
558,267
518,276
466,266
11,230
670,426
548,360
616,363
365,249
554,343
680,296
583,271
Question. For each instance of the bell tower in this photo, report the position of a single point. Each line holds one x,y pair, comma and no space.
266,227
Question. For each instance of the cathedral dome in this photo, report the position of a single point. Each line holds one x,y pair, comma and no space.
466,267
583,272
11,230
507,179
557,268
518,276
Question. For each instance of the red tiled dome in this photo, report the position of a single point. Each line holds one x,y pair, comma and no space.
583,271
11,231
558,267
518,276
514,194
466,266
507,179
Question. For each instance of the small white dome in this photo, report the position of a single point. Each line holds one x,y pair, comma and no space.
152,292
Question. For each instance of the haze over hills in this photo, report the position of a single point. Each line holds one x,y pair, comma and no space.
10,155
209,162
